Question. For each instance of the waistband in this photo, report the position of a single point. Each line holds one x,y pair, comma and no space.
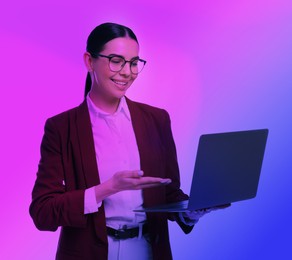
127,232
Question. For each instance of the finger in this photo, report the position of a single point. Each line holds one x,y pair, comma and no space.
131,174
194,215
224,206
165,181
150,180
136,174
153,183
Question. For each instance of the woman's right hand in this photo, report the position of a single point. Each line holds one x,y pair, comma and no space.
127,180
134,180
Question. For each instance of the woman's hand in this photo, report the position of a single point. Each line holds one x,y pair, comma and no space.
127,180
134,180
195,215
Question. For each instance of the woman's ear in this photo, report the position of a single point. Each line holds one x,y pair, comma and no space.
88,61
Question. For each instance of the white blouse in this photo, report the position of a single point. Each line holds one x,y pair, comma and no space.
116,150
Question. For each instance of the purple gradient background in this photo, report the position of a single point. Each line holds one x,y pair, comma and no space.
214,65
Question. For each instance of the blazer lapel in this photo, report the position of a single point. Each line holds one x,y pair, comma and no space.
88,160
86,144
139,122
140,130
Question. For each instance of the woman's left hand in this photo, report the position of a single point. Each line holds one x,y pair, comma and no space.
195,215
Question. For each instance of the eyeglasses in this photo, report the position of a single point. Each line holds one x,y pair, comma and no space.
117,63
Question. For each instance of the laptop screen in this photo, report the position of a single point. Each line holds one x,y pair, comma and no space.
227,168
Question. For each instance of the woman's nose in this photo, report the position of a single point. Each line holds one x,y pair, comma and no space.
126,70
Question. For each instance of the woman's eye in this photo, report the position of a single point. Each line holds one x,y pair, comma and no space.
134,63
117,60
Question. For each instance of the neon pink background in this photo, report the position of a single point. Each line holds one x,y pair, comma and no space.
214,65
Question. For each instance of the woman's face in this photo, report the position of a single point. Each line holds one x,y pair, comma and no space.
109,85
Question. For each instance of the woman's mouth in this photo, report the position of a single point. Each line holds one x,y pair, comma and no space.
120,84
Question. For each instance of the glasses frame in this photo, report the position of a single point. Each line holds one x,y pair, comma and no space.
124,63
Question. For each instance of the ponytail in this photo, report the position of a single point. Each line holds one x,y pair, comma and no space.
87,85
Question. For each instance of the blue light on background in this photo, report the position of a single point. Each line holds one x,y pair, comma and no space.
215,66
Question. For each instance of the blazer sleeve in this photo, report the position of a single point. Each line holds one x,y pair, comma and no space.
52,206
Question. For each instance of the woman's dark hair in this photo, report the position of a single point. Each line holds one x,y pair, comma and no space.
99,37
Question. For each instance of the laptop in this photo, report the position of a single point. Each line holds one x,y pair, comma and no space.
227,170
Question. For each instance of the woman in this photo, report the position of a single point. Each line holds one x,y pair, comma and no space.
106,157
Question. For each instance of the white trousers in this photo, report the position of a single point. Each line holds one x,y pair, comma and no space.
129,249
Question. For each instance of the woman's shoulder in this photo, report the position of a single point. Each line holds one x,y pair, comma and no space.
146,108
67,115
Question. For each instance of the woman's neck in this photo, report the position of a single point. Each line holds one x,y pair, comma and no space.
107,105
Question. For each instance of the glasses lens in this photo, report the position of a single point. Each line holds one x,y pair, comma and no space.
116,63
137,66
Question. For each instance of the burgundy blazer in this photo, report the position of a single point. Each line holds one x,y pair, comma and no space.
68,166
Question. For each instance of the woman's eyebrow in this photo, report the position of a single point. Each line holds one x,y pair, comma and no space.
117,55
135,58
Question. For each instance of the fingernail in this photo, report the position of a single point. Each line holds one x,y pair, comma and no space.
165,181
140,173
